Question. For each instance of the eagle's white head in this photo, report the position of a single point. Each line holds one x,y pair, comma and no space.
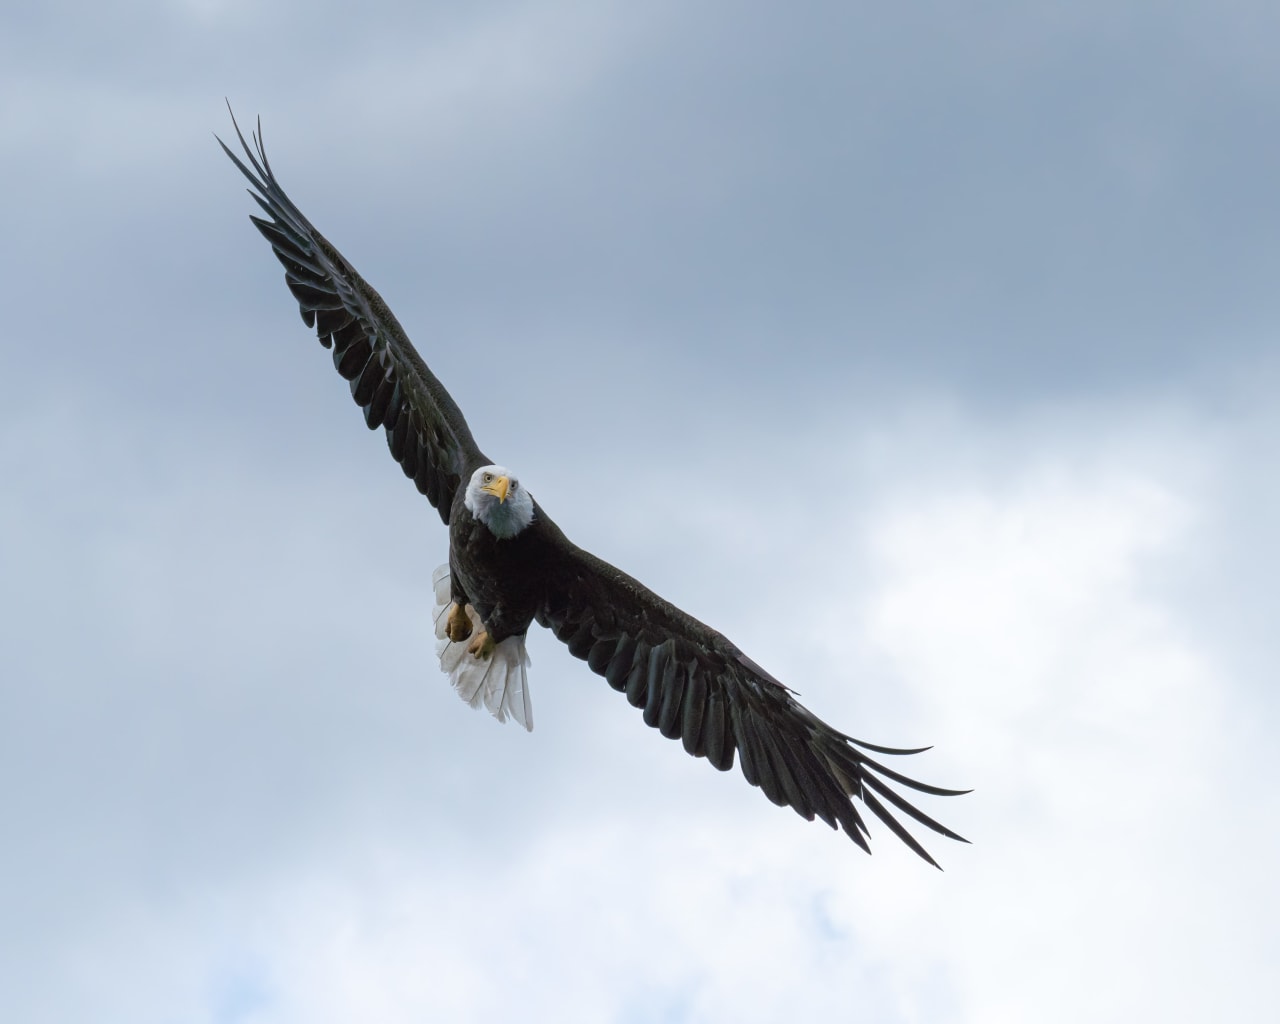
495,497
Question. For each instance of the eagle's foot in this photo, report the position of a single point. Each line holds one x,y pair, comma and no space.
481,644
457,626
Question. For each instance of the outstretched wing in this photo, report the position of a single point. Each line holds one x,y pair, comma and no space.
695,685
389,381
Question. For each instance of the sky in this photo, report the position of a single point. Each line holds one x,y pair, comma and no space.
926,351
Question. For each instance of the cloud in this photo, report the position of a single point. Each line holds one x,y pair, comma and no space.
292,818
1026,616
934,351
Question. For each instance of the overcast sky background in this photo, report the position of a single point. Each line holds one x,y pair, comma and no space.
928,351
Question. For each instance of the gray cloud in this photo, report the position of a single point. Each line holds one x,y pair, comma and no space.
971,314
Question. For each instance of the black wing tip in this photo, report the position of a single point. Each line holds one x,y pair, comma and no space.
880,749
950,835
263,180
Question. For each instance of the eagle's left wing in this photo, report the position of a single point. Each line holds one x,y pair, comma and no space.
695,685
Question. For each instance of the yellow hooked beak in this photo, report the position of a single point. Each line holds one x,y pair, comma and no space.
498,488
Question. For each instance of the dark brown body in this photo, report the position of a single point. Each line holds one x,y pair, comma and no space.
503,579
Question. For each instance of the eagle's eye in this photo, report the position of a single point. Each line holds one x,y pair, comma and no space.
487,478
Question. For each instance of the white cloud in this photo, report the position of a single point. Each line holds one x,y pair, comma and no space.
234,786
1012,607
1027,619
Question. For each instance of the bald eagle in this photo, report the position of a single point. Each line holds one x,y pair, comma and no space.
510,565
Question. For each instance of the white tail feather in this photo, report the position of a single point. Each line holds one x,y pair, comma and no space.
501,681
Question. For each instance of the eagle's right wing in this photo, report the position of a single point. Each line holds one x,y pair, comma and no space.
426,431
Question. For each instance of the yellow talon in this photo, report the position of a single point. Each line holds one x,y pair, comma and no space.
481,644
458,626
